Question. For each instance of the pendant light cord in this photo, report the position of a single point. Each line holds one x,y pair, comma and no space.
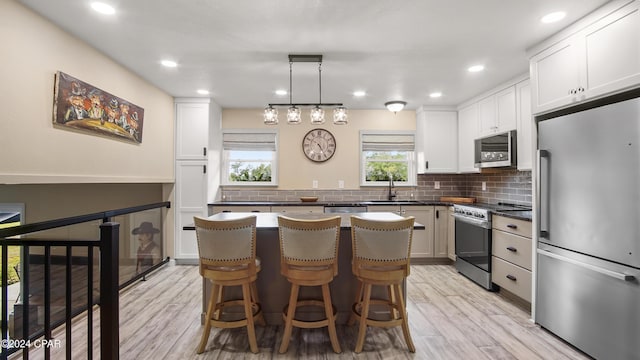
290,82
320,83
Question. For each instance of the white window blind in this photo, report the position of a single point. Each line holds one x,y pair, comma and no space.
388,142
262,141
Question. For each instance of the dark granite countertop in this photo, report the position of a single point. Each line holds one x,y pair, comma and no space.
329,203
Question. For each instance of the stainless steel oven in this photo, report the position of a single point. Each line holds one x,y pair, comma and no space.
473,244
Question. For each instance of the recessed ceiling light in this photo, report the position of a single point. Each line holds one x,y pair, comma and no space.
103,8
169,63
475,68
435,95
203,92
553,17
281,92
359,93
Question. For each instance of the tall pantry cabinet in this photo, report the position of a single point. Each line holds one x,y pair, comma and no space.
192,167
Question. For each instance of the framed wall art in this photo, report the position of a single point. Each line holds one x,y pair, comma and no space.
84,107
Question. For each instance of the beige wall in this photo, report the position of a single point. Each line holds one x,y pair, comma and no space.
32,150
295,171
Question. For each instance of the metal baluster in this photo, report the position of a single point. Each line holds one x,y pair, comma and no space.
5,294
25,298
68,303
47,299
90,304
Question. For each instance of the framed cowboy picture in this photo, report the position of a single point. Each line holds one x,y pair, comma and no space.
84,107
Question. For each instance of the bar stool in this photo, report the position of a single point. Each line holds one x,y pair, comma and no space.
381,258
308,257
227,250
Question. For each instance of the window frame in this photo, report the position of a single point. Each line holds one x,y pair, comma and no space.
226,161
411,160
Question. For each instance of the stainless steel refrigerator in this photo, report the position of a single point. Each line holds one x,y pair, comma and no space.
588,264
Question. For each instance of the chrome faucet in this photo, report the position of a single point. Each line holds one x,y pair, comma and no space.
392,193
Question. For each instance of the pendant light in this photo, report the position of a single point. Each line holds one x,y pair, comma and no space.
317,113
294,111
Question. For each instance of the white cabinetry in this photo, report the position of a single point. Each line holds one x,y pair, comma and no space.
437,141
192,142
191,200
597,59
524,131
192,130
497,112
467,133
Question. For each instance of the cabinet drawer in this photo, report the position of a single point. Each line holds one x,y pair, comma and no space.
512,248
240,208
512,278
514,226
298,209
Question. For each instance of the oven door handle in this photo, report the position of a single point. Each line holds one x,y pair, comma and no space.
485,224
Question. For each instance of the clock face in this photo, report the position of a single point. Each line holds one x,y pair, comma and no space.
319,145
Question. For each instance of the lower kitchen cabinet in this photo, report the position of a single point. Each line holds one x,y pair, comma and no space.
422,245
512,256
451,234
298,209
432,242
241,208
440,232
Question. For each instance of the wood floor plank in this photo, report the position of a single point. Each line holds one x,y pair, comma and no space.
449,316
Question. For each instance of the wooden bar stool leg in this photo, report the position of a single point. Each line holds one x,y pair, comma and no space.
328,309
393,301
256,300
248,312
405,320
352,317
207,322
291,312
364,313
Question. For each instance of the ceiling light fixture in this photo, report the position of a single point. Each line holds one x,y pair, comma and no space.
103,8
475,68
435,95
553,17
359,93
281,92
203,92
395,106
169,63
294,112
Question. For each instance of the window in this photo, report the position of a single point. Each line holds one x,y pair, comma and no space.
249,157
386,155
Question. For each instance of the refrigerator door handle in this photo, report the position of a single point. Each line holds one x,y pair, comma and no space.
613,274
543,200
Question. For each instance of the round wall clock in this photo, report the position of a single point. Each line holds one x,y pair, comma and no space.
319,145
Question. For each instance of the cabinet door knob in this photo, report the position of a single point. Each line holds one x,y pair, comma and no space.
511,277
512,249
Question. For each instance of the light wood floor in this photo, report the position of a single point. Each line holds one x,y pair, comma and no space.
450,318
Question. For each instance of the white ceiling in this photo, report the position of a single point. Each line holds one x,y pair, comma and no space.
392,49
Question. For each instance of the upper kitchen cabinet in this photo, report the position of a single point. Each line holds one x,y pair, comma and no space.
497,112
598,56
192,129
467,133
524,128
437,140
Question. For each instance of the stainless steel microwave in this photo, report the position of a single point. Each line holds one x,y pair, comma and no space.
497,150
